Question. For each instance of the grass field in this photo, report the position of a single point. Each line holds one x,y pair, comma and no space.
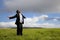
31,34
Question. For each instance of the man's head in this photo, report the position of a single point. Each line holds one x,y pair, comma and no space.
17,11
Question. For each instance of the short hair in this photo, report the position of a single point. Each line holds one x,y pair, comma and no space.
17,11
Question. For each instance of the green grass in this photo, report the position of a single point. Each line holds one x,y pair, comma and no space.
30,34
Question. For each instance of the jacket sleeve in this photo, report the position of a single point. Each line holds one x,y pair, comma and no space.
13,16
23,16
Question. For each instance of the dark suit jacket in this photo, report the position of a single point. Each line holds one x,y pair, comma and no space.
17,16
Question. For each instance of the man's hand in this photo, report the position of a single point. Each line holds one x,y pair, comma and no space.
9,17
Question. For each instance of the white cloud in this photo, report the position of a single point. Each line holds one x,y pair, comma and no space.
33,5
43,17
32,22
50,25
7,24
54,19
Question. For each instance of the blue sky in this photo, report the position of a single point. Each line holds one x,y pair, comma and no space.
44,14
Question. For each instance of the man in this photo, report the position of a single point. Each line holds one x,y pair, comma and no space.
19,21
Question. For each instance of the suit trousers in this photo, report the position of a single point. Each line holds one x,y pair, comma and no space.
19,29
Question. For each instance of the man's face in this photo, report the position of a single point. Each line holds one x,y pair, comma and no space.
17,11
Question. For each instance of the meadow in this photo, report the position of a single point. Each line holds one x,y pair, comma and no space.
31,34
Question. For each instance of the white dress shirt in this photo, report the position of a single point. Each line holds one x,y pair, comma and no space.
21,20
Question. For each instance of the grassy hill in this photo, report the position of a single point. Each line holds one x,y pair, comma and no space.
30,34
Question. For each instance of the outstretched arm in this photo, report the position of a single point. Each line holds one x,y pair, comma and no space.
23,16
12,17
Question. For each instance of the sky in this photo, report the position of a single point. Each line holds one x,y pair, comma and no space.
38,13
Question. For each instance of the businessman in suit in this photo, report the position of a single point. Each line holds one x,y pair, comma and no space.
19,21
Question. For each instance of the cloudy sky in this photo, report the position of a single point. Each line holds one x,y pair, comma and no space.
38,13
